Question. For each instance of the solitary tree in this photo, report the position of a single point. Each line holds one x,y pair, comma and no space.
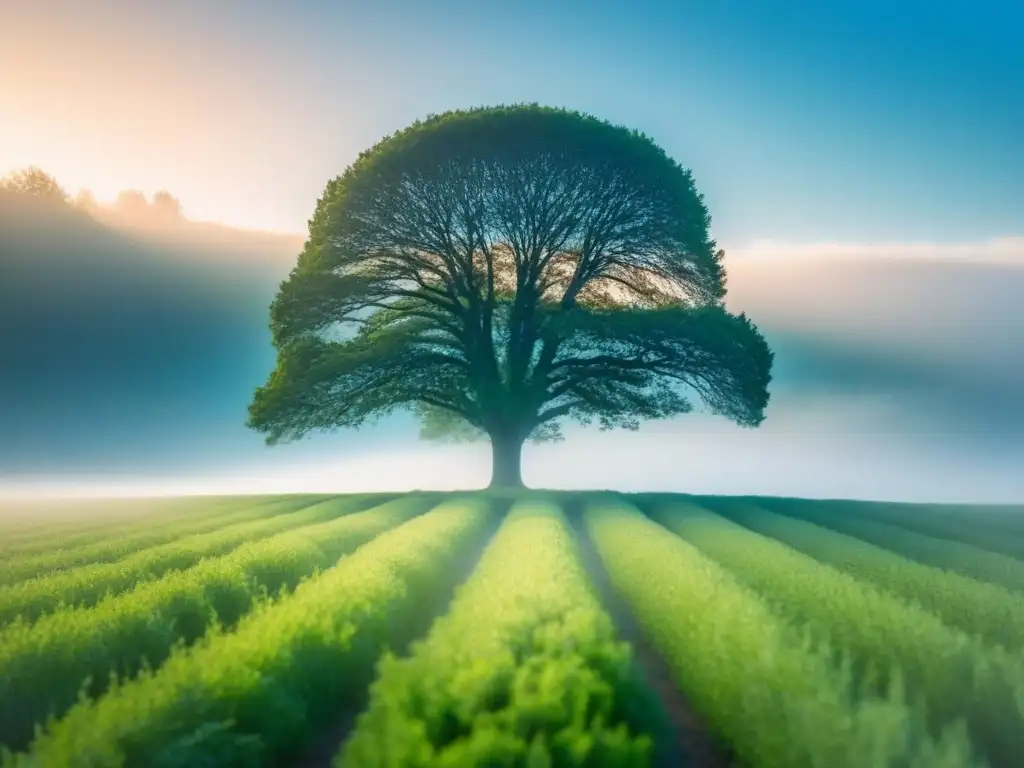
499,271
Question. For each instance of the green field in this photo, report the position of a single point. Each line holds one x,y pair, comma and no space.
498,629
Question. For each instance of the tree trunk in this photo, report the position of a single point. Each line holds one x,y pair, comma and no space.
506,460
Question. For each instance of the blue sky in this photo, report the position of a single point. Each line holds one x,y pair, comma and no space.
840,120
870,130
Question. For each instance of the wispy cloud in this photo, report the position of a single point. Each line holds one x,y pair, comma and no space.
1000,250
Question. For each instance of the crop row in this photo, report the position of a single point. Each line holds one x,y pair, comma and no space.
88,584
120,544
42,666
41,525
885,637
957,556
261,693
987,610
524,669
776,699
925,519
132,517
1008,518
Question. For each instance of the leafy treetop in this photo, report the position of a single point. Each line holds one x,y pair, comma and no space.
500,270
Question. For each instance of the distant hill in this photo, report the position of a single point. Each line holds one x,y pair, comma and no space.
43,240
106,328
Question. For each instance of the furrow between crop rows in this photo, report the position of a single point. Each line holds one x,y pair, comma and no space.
42,666
687,740
887,639
778,702
82,519
956,556
259,695
987,610
524,669
88,584
112,548
926,520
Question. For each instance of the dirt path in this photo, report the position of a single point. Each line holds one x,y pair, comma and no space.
689,743
330,738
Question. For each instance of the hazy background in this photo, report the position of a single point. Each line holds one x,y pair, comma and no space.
864,174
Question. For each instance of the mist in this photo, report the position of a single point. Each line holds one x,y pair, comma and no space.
132,339
126,346
943,338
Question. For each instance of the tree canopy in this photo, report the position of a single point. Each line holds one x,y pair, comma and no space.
34,182
500,271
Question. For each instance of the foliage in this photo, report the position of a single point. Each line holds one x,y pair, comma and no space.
990,611
886,638
965,527
34,182
90,583
774,700
115,541
524,669
965,559
788,660
44,530
256,695
513,267
42,667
